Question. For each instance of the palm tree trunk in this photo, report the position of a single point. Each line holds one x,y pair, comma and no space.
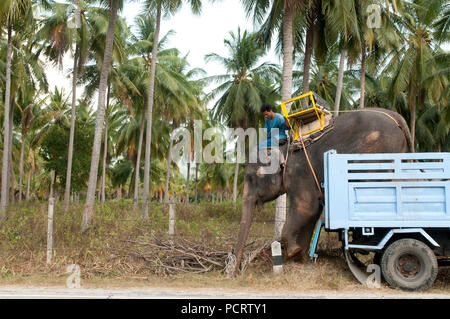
286,90
27,195
148,137
105,148
106,67
236,173
138,161
187,180
11,168
412,108
169,165
119,192
340,82
308,50
99,193
196,181
22,150
72,130
5,163
413,124
288,54
363,77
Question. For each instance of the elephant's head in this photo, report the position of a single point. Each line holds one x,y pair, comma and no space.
262,183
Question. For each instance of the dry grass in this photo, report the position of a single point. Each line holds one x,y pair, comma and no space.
105,261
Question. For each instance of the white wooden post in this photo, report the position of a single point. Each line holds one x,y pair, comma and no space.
51,204
172,219
277,258
280,217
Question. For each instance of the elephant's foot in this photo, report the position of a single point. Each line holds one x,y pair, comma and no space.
293,251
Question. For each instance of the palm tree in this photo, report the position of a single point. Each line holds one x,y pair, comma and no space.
178,105
372,41
324,81
281,14
415,71
118,83
105,70
59,36
243,88
27,82
10,12
78,59
143,45
170,7
341,19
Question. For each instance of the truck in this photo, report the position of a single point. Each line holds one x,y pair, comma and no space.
392,209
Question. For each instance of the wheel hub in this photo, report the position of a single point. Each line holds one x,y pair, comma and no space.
408,265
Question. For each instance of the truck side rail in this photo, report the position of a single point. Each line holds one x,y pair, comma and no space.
388,236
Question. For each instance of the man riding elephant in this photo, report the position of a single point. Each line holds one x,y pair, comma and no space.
273,121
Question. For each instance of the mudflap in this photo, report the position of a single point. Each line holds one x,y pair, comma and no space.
356,271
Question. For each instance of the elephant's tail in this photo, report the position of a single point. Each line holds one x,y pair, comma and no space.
405,129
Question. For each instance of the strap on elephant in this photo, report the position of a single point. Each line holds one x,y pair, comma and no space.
321,196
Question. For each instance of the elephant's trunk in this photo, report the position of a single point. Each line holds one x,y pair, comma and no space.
248,210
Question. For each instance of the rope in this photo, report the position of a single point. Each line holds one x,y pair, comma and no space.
321,196
285,163
371,110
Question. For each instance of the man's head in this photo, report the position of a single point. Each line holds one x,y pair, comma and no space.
267,111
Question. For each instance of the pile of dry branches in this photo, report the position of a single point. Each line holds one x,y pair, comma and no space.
166,257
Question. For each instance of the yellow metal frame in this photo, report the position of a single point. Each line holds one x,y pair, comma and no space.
295,118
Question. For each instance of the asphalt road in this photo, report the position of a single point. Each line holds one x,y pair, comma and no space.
13,292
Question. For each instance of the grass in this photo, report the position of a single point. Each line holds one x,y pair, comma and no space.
101,253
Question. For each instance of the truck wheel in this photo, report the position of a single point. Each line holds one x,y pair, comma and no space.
409,264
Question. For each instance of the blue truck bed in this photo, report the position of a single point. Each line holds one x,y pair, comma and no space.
393,190
395,206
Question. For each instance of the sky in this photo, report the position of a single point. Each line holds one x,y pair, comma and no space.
194,35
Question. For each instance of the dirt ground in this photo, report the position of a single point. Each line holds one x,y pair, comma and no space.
105,262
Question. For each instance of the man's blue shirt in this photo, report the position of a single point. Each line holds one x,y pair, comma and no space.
277,122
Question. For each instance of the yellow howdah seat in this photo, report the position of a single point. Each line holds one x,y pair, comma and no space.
306,114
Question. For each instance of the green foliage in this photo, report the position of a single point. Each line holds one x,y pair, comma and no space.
406,65
54,150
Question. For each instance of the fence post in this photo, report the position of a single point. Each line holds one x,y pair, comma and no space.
277,258
51,203
172,219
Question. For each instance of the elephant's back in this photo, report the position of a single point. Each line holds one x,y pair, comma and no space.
370,130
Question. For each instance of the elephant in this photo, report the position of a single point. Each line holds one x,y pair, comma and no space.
371,130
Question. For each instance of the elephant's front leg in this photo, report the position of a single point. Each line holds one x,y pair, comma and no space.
304,210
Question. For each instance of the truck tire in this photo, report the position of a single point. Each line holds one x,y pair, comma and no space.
409,264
